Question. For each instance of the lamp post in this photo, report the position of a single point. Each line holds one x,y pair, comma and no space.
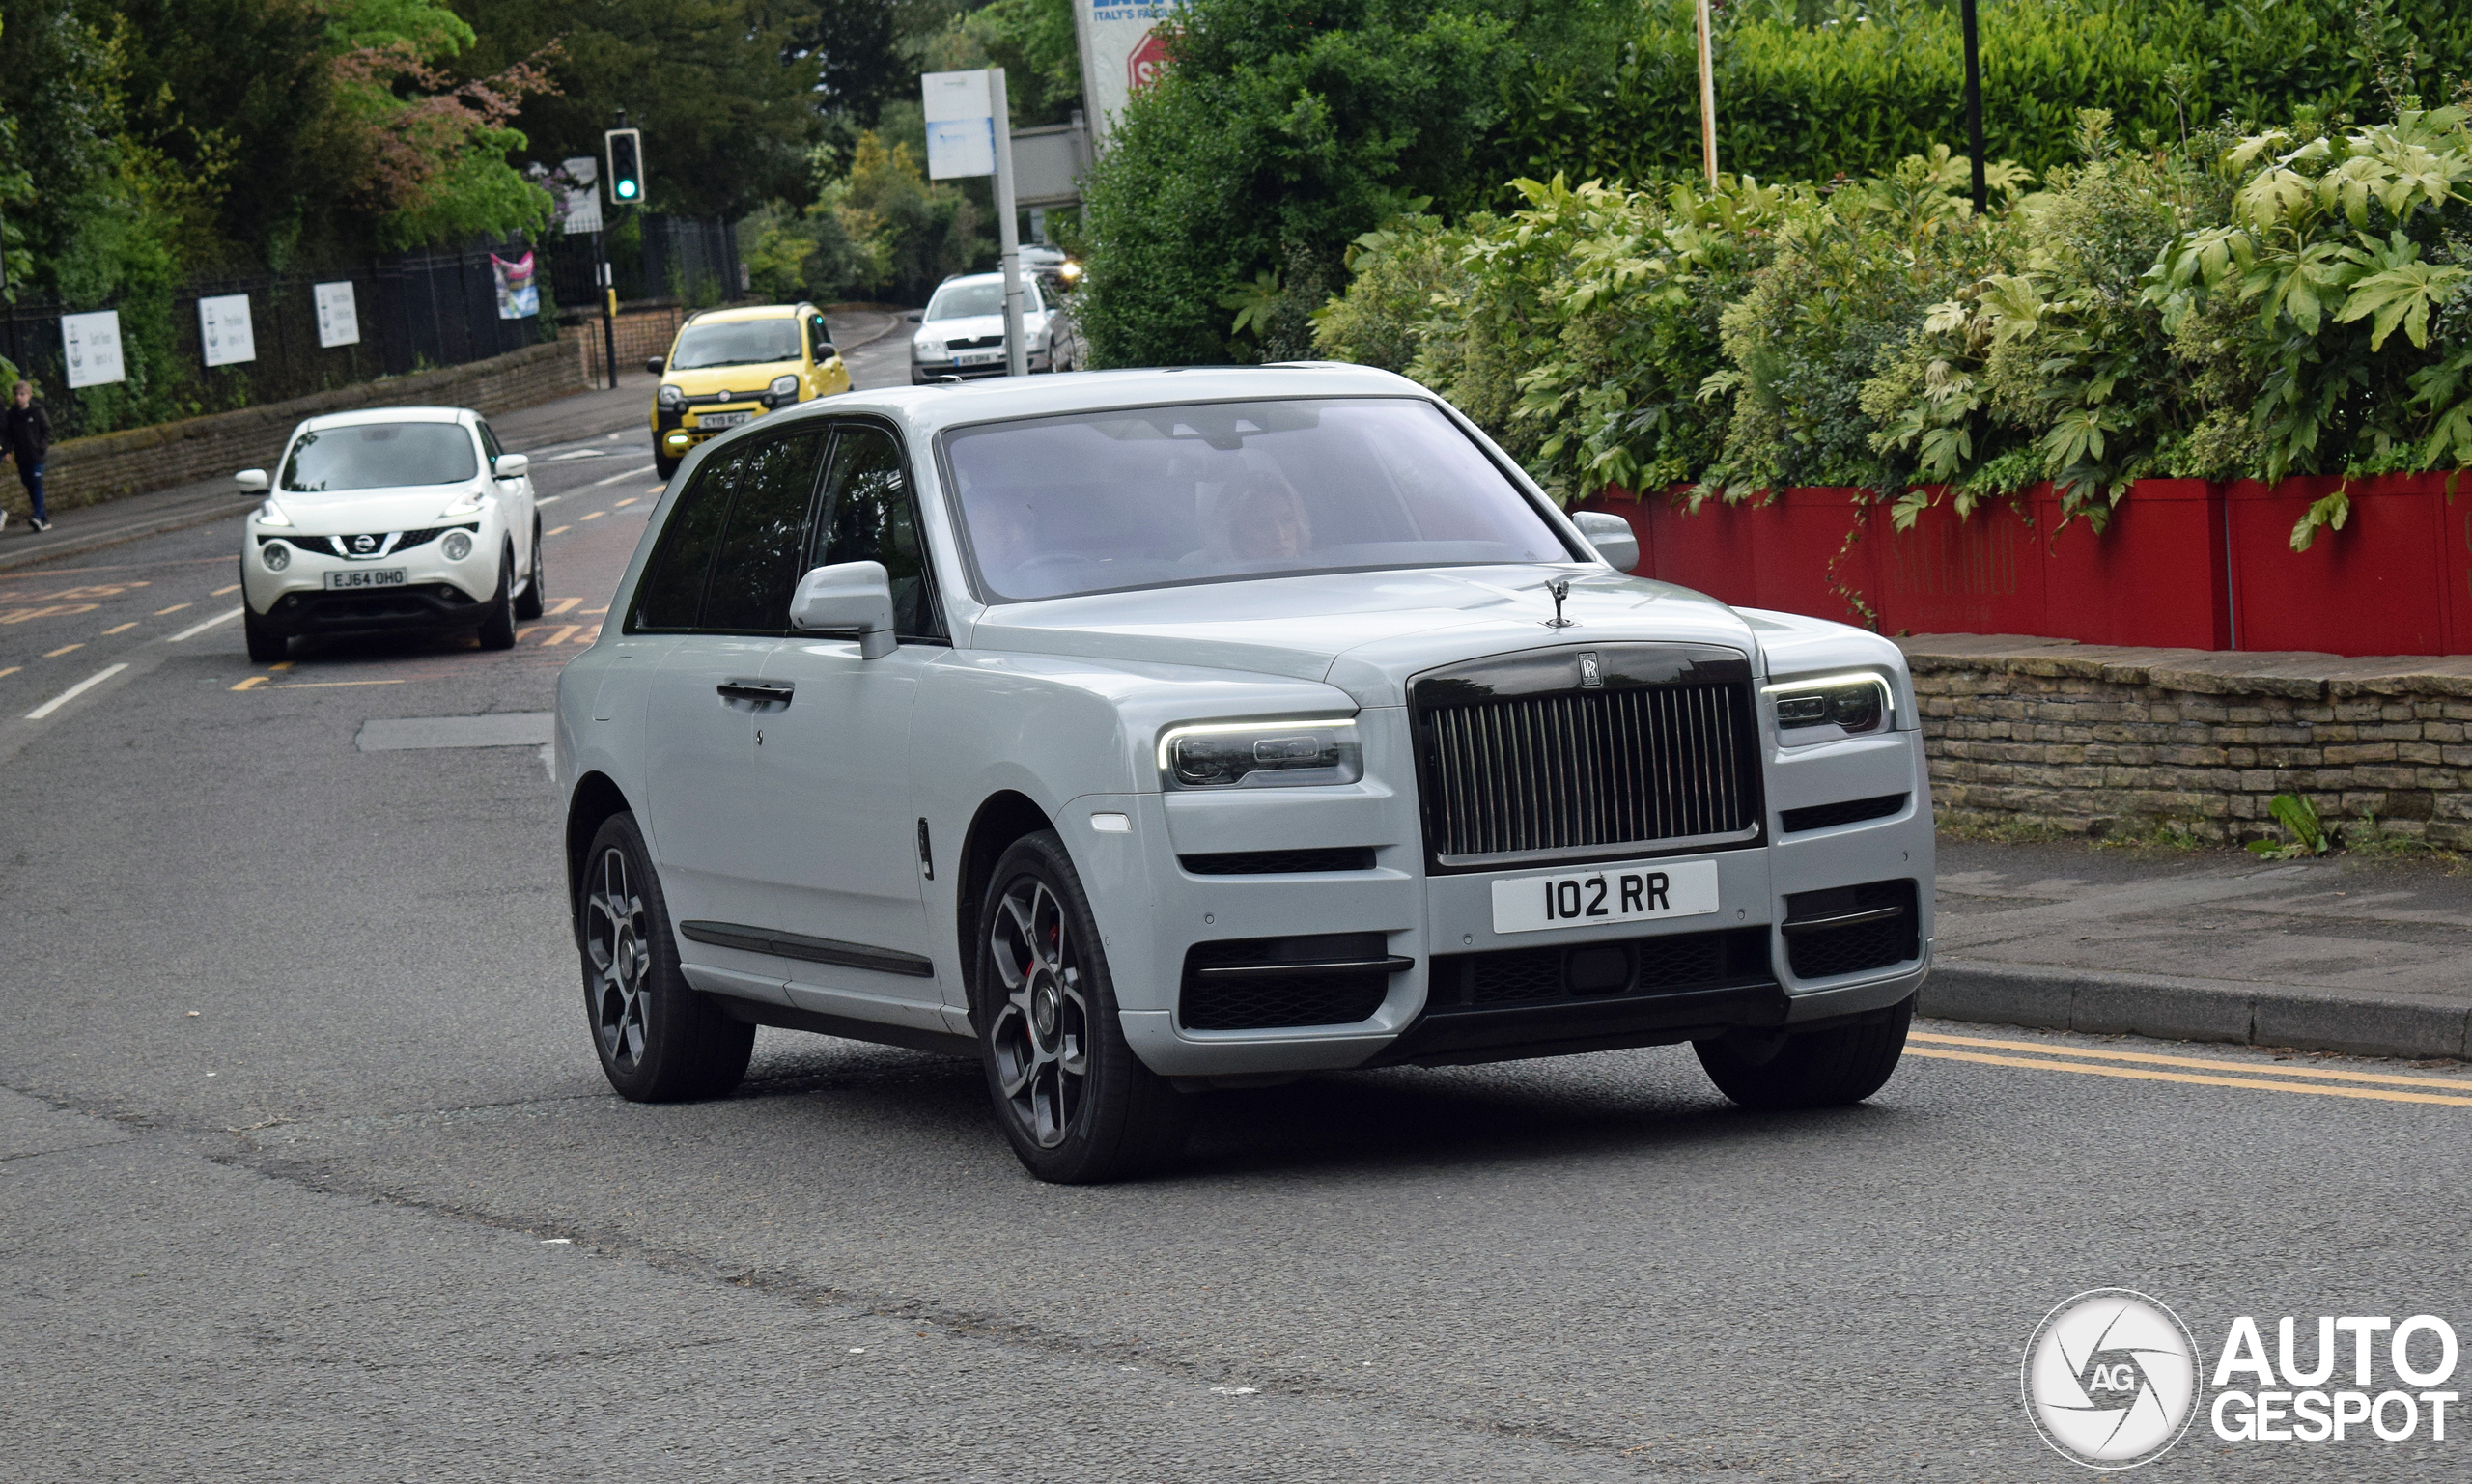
1973,101
1708,96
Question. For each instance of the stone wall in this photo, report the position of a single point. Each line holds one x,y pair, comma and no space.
2092,738
88,471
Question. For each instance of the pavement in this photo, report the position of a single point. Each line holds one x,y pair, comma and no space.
311,1173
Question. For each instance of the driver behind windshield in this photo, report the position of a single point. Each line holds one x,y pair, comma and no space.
1261,518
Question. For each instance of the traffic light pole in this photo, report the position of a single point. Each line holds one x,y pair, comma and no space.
608,286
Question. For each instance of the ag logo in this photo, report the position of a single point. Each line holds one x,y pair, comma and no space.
2111,1379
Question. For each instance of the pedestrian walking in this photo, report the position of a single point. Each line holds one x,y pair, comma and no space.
25,437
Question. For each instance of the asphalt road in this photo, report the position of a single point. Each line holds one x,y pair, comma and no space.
307,1170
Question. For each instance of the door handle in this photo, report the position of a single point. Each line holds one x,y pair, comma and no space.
760,692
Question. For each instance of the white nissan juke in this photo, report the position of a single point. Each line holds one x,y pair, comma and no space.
390,519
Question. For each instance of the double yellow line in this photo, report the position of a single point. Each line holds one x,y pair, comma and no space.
2145,1067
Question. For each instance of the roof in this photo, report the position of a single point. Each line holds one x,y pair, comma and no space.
745,312
360,415
931,408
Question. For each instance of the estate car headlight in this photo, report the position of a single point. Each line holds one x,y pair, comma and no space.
928,347
1848,705
456,545
276,555
272,513
670,396
1260,754
785,386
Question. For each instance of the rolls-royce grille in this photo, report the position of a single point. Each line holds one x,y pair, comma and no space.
1591,769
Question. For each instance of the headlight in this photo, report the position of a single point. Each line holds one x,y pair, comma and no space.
672,395
1260,754
276,555
929,348
456,545
272,513
470,504
1849,704
785,386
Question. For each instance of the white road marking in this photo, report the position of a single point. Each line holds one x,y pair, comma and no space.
194,630
628,474
549,500
74,691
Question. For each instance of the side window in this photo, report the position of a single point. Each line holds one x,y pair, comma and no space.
757,563
673,591
868,518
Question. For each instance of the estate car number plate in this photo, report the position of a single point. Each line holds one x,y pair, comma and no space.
366,576
1639,893
722,419
977,357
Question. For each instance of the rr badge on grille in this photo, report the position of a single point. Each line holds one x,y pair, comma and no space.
1591,678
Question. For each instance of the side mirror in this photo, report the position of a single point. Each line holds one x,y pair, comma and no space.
914,316
849,599
252,480
1611,535
654,365
512,465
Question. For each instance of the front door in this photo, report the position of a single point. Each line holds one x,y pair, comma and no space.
836,761
721,577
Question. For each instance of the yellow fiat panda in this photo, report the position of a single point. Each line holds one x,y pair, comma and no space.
730,365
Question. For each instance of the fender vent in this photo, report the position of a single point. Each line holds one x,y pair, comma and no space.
1848,929
1851,811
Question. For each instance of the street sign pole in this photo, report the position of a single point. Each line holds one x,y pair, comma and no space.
1008,234
608,286
1973,101
1708,96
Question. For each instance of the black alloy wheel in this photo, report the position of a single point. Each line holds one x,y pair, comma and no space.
1076,1102
497,626
659,1041
535,594
1814,1069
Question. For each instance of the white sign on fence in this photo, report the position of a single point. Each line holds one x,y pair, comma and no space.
338,317
582,208
223,329
1124,44
91,344
961,126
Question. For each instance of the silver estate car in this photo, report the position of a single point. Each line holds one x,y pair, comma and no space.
1141,733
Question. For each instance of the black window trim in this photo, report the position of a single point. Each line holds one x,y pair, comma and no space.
988,597
829,433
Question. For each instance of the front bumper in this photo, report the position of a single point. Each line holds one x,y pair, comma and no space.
677,430
435,593
1664,981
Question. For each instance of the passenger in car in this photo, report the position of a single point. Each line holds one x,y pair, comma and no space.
1261,518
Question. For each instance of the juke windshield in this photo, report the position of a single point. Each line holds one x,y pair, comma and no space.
380,455
741,342
1151,496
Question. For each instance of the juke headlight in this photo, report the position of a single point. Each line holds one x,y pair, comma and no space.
456,545
1260,754
272,513
276,555
1851,704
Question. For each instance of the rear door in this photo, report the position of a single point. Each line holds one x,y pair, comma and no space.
721,579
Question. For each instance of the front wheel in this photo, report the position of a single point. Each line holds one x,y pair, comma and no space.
266,646
1815,1069
659,1041
1077,1104
497,626
665,466
535,594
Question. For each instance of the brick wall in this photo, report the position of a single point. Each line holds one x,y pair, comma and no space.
88,471
642,334
2089,737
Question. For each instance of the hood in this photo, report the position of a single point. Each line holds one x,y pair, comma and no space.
352,512
973,326
752,378
1365,632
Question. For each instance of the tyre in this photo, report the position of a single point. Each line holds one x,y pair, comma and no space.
497,629
1815,1069
536,592
1077,1104
266,646
658,1040
665,466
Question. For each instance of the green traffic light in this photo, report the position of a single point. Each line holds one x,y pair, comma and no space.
626,188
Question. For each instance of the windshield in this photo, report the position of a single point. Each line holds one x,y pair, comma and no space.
960,301
380,455
742,343
1156,495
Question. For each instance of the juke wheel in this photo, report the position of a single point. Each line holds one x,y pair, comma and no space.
536,594
1077,1104
659,1040
497,629
1815,1069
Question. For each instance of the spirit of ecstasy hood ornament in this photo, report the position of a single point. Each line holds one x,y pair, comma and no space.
1561,590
